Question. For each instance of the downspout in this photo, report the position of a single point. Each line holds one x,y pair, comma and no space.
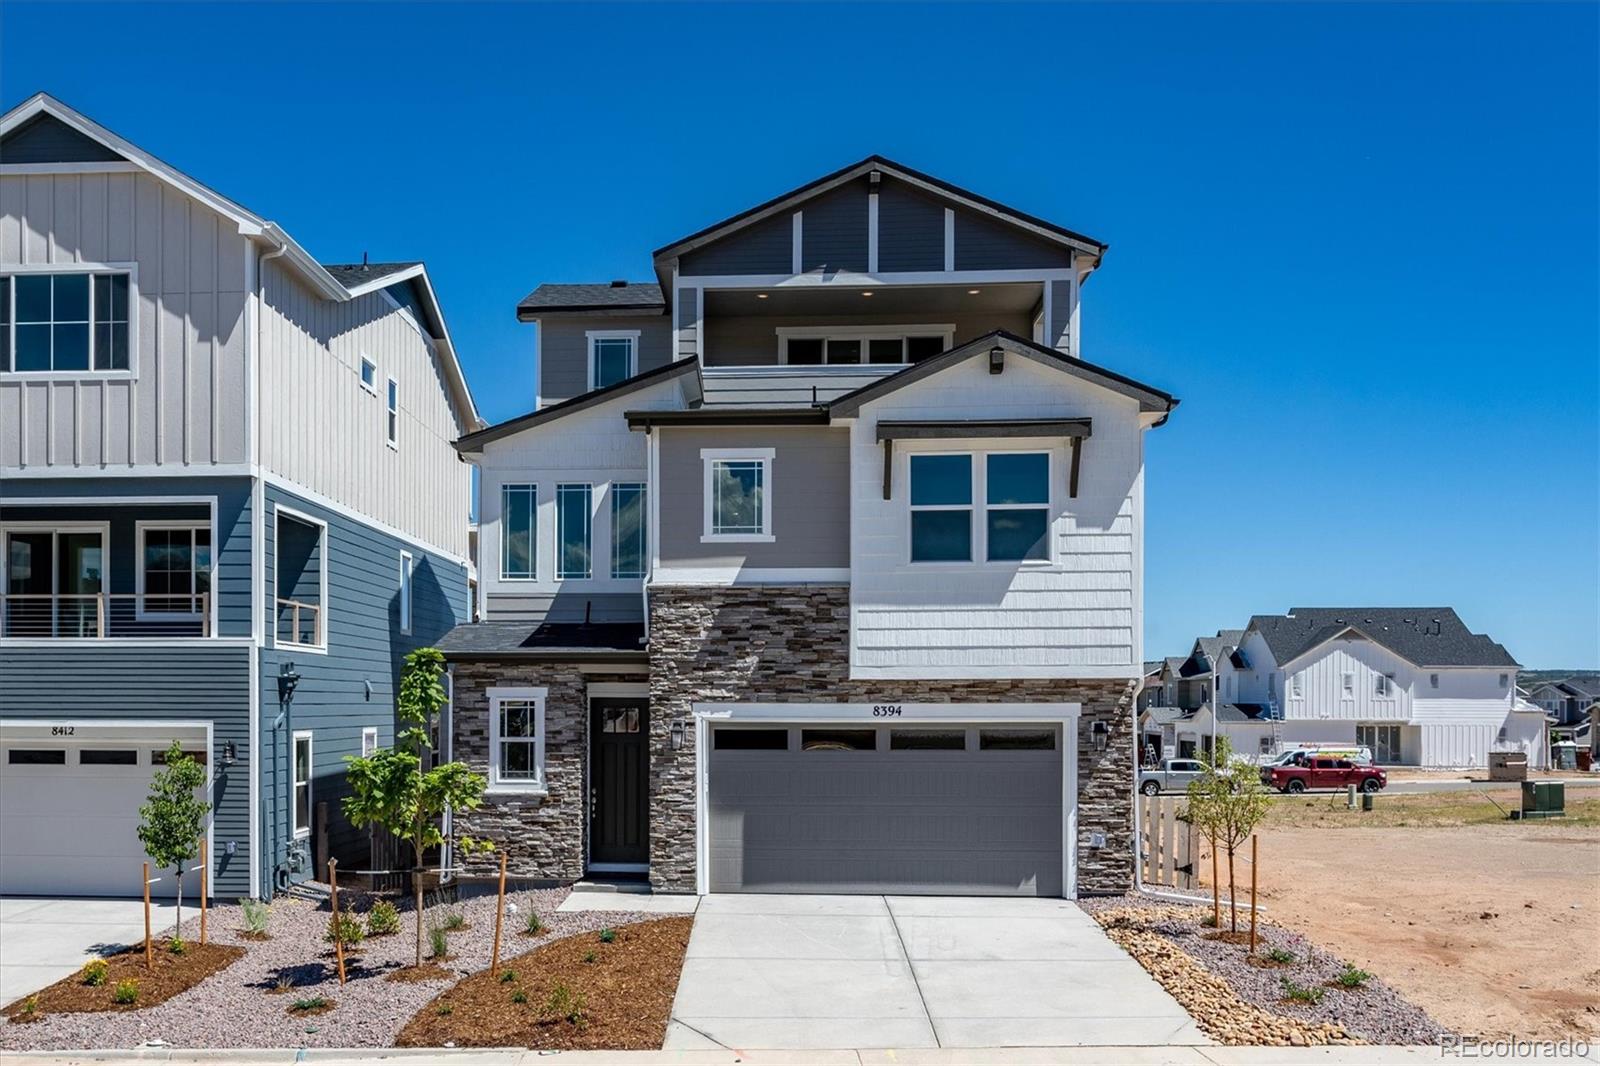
269,604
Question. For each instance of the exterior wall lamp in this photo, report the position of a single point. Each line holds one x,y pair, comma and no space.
1099,735
677,736
997,359
230,754
287,682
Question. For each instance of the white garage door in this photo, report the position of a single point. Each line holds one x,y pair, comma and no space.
69,811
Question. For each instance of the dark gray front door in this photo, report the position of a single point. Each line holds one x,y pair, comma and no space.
619,765
935,810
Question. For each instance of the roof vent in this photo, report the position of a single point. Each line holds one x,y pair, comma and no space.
619,284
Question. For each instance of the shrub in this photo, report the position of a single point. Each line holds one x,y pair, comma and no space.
454,921
565,1003
1281,956
1299,993
607,935
29,1007
589,956
438,942
1351,977
383,918
126,992
314,1003
346,929
444,1010
519,996
507,977
94,972
177,946
256,916
533,925
283,983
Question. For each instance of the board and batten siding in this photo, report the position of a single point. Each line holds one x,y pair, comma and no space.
1322,684
1078,617
594,447
196,681
321,430
184,403
564,350
365,645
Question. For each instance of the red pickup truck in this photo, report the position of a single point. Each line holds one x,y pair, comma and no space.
1325,773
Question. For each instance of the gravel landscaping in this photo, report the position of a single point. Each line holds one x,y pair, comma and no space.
1259,1010
244,1006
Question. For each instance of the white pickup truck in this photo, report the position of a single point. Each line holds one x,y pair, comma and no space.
1173,775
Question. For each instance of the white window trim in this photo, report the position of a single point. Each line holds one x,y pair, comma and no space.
537,696
369,733
324,545
500,532
1296,689
300,833
361,374
979,508
56,528
612,335
141,527
391,434
407,567
588,529
863,334
91,374
708,459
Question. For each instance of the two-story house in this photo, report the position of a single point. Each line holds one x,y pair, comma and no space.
819,564
229,506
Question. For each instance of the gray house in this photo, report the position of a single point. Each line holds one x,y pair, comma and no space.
228,508
819,564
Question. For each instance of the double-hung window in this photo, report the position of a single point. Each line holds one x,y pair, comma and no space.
174,570
941,508
627,530
61,322
392,414
519,532
574,531
516,739
738,494
302,784
613,356
1014,489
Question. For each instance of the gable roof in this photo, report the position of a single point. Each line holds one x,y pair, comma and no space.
361,278
1150,398
928,183
642,296
1423,636
42,108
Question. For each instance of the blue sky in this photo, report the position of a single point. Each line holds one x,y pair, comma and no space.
1359,241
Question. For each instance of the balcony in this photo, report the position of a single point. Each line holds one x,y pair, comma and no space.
103,616
299,624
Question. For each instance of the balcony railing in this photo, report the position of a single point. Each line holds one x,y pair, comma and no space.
299,623
103,616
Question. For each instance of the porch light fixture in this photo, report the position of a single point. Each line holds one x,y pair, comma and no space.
677,736
997,359
230,754
1100,735
288,680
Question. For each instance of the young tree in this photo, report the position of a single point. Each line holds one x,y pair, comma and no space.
1227,802
173,817
395,790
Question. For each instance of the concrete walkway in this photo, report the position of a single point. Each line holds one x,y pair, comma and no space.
841,972
43,940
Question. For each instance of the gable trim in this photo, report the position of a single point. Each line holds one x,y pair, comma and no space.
474,442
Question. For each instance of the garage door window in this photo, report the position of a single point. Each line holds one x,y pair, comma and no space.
36,757
108,757
750,740
838,740
302,784
927,740
1017,739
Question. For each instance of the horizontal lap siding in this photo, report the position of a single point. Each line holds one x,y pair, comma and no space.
834,230
910,229
193,682
765,247
186,402
564,350
364,645
984,243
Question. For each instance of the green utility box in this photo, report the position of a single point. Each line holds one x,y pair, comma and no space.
1544,799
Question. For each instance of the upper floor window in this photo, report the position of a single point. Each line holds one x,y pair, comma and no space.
1294,685
627,531
519,536
738,494
613,356
301,564
1015,491
574,531
174,570
64,322
406,568
392,427
369,375
815,346
1383,685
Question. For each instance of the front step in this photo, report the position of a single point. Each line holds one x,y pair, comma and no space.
635,887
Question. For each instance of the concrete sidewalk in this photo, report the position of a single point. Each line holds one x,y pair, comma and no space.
1109,1055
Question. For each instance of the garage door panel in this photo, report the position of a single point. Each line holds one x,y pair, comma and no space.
903,821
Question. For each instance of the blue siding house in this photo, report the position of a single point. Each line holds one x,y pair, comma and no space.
229,508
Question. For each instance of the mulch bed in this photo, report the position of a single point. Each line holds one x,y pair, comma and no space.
626,994
170,975
428,971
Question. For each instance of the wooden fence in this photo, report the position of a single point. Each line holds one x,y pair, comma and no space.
1168,843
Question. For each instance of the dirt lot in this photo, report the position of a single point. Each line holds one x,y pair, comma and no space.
1491,926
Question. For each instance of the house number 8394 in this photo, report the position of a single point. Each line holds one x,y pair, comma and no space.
887,710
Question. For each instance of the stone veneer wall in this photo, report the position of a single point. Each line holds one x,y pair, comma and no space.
774,644
543,835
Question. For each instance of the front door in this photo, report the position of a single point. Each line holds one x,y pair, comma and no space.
619,802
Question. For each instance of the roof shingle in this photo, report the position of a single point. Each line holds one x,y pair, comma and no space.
1424,636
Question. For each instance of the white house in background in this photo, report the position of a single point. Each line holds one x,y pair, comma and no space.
1414,684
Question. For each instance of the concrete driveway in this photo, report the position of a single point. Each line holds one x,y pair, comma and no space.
43,940
813,972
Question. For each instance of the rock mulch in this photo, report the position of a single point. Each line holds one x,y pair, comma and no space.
1239,1000
246,1004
